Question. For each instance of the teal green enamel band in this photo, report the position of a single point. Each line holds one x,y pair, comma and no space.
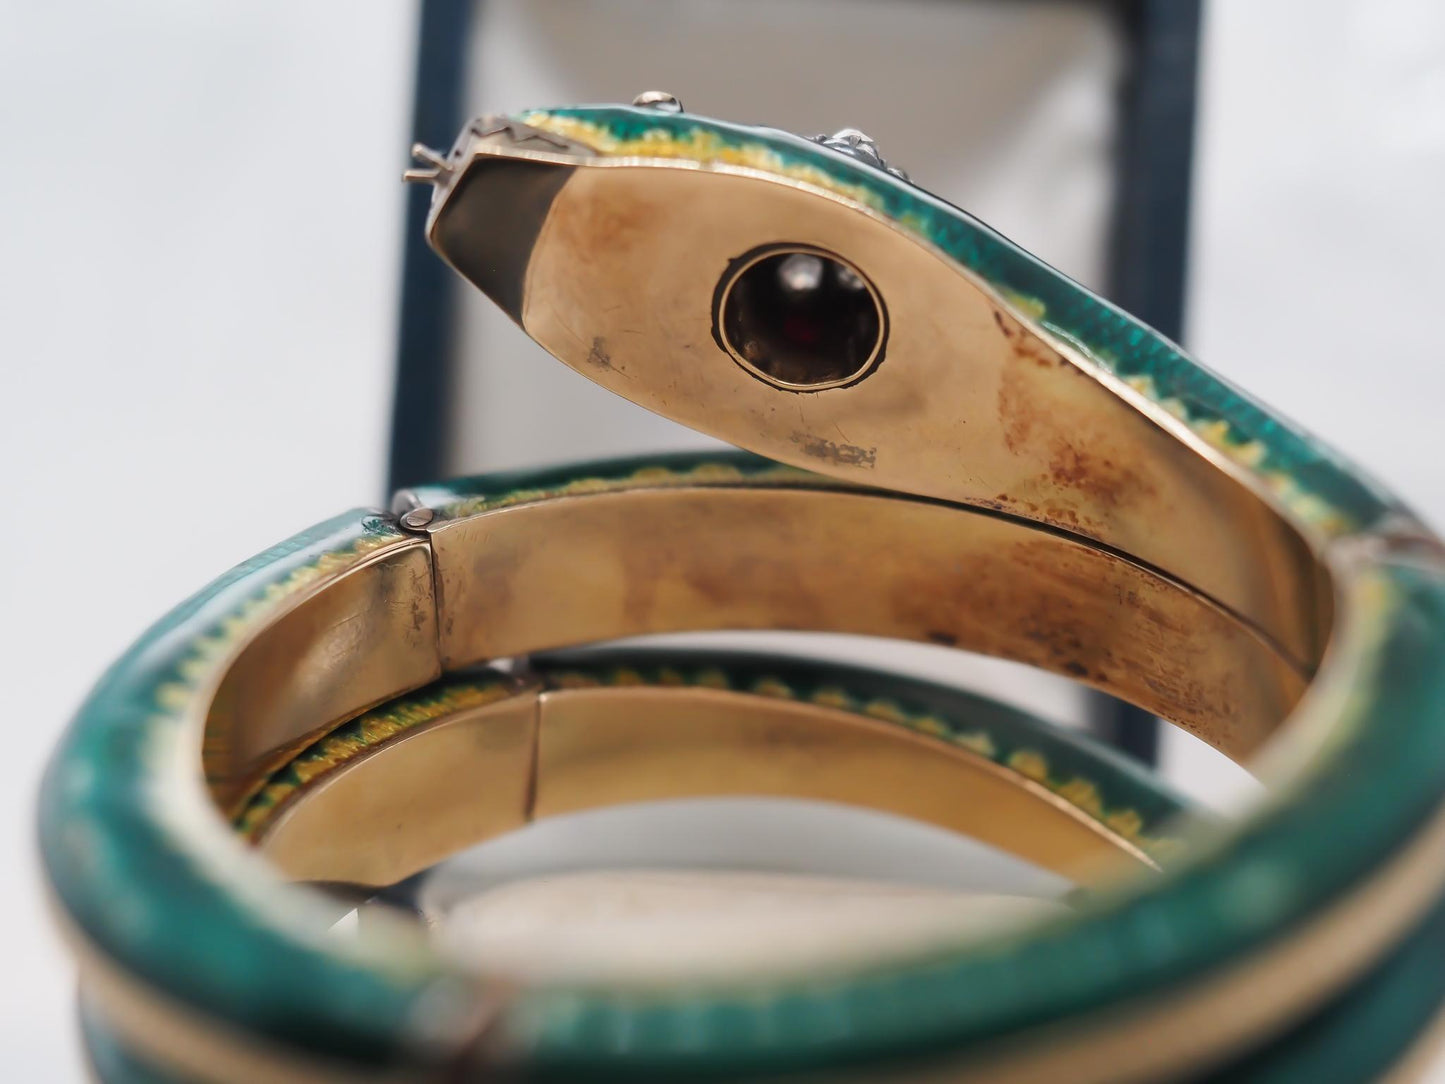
192,930
188,925
139,892
1356,1039
1363,1034
1349,814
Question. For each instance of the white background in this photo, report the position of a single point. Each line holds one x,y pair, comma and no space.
198,251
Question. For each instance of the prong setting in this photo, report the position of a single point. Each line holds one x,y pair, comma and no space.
660,100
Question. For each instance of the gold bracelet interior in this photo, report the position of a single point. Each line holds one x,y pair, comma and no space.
481,772
637,559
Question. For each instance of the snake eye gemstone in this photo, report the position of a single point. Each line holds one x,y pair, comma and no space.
800,318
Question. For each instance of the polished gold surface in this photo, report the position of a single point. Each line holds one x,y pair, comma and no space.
968,404
369,635
637,560
581,569
600,747
416,799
